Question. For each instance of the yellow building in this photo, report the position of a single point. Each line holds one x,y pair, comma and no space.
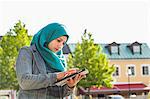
132,61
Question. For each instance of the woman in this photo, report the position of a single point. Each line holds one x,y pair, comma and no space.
43,63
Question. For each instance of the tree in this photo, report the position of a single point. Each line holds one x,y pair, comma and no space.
9,48
89,55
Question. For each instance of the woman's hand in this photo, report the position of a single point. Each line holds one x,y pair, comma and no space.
60,75
73,81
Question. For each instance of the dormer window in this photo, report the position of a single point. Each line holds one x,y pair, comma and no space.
113,48
135,48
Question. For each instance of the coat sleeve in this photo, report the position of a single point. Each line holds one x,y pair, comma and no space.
26,79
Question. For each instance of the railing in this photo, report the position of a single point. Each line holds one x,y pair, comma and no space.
7,94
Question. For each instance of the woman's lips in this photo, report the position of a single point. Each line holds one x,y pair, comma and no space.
56,49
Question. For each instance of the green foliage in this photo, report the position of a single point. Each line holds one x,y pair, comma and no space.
9,48
89,55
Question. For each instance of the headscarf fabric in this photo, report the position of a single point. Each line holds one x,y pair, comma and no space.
41,40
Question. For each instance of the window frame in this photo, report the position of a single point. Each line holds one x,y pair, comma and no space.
131,65
119,71
114,49
145,65
136,48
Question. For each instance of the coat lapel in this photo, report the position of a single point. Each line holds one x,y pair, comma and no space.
38,60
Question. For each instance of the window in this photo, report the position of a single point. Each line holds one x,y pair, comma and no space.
131,70
136,49
114,49
145,70
116,73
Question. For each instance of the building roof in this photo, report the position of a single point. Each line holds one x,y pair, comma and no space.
125,52
1,37
66,49
118,88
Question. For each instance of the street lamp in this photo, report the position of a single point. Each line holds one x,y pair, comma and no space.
129,74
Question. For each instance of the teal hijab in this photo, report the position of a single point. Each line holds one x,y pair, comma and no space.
42,39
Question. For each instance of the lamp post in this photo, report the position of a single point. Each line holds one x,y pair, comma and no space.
129,74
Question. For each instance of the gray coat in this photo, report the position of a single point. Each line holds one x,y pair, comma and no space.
34,81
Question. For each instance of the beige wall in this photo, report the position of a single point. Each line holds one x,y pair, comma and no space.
123,65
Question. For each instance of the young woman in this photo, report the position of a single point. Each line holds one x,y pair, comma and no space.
43,63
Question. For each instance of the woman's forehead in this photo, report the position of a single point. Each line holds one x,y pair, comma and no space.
64,38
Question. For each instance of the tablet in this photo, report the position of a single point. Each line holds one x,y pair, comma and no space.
62,81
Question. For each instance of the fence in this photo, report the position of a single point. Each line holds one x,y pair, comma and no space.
7,94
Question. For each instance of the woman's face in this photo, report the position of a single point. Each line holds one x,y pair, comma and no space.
57,44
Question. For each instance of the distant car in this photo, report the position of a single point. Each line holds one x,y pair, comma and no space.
115,97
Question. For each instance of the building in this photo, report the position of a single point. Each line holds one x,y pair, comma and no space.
132,75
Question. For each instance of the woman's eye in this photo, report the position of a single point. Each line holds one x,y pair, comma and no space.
58,40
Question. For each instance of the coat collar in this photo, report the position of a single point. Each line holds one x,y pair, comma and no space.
38,59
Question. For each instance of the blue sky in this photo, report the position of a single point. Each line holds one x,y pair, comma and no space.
122,21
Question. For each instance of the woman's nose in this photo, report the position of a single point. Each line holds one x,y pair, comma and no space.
61,45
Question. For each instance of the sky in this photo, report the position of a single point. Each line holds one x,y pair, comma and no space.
121,21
